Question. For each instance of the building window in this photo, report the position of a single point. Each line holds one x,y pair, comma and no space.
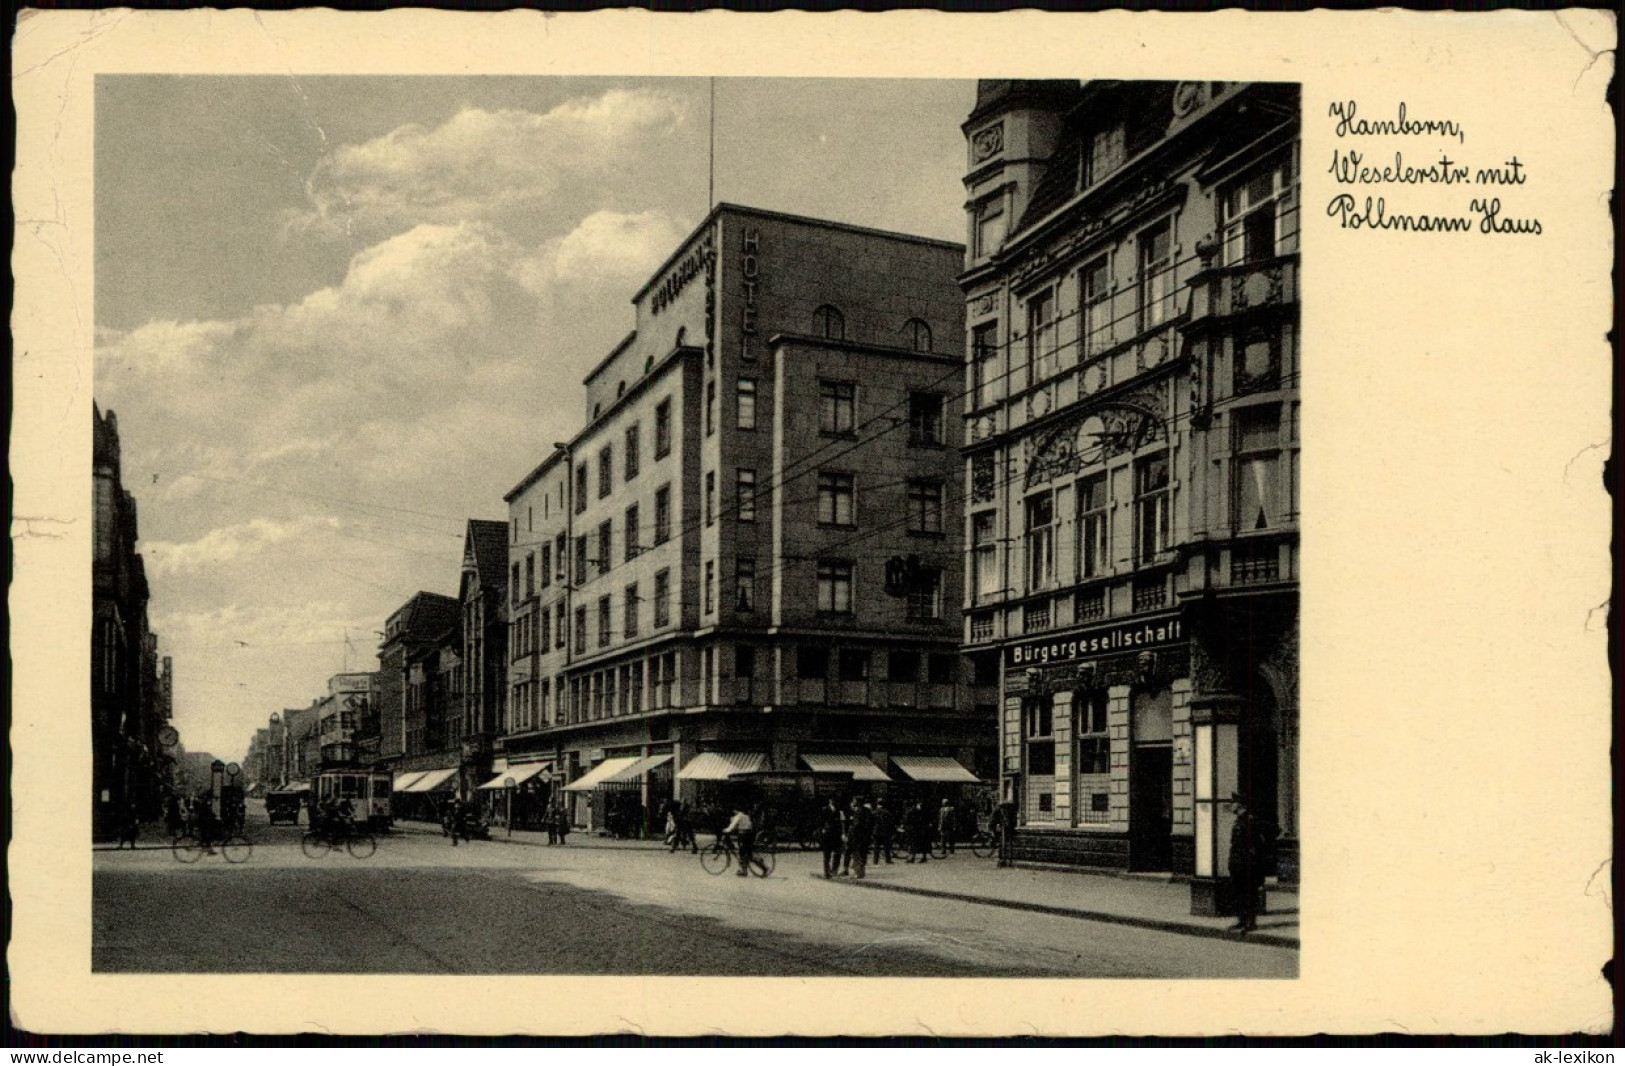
812,663
745,404
1150,507
710,496
634,688
1041,334
837,408
1256,215
834,587
1095,307
710,407
1094,755
924,506
745,584
605,546
835,499
663,599
744,661
941,668
903,666
1090,605
829,323
632,457
1103,152
990,227
1257,468
632,532
918,334
925,599
710,586
631,611
603,621
606,471
513,583
547,565
559,555
562,634
985,578
1040,510
581,631
663,428
924,418
662,514
1156,260
985,358
1040,723
1092,546
546,619
853,664
745,494
530,574
581,560
581,487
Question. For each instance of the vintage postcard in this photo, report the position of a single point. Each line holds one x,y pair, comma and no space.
1027,501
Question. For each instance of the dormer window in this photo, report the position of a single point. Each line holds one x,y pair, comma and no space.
1102,153
991,227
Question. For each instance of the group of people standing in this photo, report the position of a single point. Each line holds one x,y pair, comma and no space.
866,832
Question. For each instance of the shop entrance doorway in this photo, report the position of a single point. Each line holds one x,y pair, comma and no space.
1151,807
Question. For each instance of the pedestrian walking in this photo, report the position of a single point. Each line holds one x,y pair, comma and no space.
1004,831
831,836
129,827
917,826
947,826
743,831
1246,866
860,836
562,821
885,831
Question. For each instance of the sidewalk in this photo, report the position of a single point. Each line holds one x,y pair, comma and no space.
1100,896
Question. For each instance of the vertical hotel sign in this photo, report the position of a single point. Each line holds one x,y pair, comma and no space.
750,267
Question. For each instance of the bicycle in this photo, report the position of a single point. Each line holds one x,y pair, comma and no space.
188,848
352,838
722,854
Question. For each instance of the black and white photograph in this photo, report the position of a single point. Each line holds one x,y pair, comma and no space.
818,498
905,583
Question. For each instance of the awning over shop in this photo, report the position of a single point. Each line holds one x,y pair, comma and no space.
517,774
934,768
636,770
434,780
721,765
600,773
404,782
861,768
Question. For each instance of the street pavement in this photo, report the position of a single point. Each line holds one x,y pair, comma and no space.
595,907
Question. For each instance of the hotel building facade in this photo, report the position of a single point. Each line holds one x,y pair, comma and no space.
1131,450
698,579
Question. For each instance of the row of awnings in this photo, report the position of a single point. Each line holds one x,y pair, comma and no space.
706,766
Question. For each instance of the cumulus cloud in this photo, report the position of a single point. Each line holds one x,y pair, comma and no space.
227,544
481,164
606,248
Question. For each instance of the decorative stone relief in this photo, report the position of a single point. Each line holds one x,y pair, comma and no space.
987,143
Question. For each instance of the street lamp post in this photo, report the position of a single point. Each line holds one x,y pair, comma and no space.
508,786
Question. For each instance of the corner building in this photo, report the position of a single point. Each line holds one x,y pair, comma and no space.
1131,460
697,588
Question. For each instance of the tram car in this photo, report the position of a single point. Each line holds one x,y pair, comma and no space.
367,792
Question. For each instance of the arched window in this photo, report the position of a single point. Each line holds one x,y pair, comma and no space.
828,322
917,334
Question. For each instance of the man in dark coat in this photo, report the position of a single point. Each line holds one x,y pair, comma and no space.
1246,866
831,836
860,834
885,830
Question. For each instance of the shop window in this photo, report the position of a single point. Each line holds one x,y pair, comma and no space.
812,663
853,664
1040,730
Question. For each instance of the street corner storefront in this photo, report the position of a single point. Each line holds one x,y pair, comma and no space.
1096,747
622,796
419,795
519,795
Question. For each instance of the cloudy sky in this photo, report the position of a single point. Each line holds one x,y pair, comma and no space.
339,316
